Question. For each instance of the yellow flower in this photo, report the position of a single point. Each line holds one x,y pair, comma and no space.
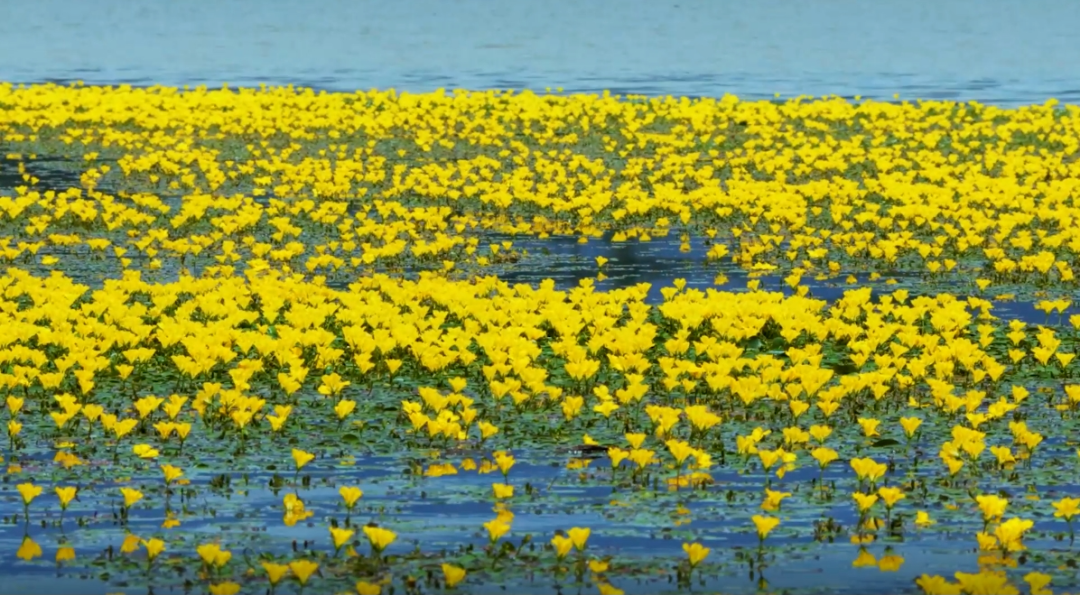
769,457
171,473
910,425
579,536
496,529
701,418
1066,508
986,541
868,470
1037,582
890,495
224,588
606,408
992,506
820,432
15,404
773,499
277,421
642,457
487,430
922,519
332,384
344,407
764,525
452,575
571,407
145,451
130,544
379,538
695,552
1011,532
301,458
504,461
275,572
824,455
366,588
28,491
617,456
562,545
340,536
131,496
303,569
869,426
212,555
350,494
865,501
680,450
1003,455
153,547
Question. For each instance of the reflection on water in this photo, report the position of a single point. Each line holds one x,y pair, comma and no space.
249,520
991,50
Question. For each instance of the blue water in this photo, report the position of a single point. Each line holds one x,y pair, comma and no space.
997,51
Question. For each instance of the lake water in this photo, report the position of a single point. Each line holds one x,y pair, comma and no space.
998,51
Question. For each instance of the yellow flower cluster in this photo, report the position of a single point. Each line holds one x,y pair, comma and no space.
327,183
284,276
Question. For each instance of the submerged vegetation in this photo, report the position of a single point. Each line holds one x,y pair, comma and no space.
263,341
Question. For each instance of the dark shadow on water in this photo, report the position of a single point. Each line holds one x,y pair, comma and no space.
660,262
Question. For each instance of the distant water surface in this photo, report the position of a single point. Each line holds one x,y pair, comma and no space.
997,51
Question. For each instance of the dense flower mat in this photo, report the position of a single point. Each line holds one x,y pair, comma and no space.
256,339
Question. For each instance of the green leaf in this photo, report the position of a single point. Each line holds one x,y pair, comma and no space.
350,438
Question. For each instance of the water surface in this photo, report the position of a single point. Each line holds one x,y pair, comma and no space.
996,51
